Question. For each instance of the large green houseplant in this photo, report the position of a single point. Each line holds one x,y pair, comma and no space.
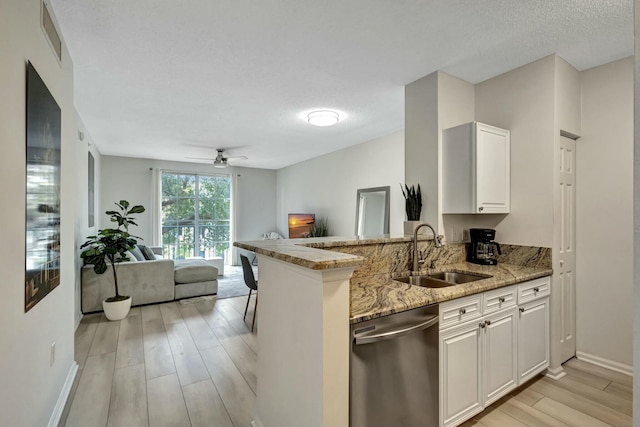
320,227
107,249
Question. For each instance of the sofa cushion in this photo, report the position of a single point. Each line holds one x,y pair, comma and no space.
193,270
137,253
146,252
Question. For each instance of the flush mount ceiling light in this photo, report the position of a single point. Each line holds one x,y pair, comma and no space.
323,118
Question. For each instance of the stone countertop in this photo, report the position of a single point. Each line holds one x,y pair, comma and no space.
376,296
315,253
296,252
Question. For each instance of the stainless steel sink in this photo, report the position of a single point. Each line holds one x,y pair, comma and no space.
442,280
455,277
425,282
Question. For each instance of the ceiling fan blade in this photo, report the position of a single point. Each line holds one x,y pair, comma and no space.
199,158
237,157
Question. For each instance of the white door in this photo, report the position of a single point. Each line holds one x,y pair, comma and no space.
460,374
565,277
500,350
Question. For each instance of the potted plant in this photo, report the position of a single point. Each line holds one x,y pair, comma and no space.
108,249
320,228
413,207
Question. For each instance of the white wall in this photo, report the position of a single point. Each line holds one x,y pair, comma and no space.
604,199
456,106
636,217
421,144
522,101
568,98
30,386
131,179
83,230
327,185
433,103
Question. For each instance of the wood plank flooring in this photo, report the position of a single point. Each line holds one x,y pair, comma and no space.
587,396
194,364
174,364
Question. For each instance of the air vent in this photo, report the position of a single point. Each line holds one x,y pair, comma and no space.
50,30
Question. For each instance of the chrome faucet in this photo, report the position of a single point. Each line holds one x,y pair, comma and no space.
416,258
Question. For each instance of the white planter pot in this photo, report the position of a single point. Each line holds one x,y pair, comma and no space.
410,227
117,310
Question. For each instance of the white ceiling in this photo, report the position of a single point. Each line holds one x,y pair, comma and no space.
173,79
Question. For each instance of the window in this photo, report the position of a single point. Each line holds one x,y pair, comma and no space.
196,215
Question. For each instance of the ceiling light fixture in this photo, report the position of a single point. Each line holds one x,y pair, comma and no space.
323,118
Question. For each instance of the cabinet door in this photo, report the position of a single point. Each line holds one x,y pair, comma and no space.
500,373
493,172
533,339
460,374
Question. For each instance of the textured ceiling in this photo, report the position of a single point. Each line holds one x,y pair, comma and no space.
173,79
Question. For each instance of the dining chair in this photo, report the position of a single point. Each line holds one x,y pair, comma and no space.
252,283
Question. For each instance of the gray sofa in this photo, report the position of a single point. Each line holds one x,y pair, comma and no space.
149,282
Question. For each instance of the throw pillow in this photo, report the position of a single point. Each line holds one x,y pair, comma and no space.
137,253
148,253
131,257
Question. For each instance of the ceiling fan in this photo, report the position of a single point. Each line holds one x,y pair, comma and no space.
220,161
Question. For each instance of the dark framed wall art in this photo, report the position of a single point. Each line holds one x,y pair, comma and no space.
42,211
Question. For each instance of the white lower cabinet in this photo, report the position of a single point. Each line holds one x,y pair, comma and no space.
500,352
460,374
533,345
484,358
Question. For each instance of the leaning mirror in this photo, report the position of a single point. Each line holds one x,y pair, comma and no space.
372,211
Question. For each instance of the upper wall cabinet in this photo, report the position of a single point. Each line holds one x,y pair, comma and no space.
476,169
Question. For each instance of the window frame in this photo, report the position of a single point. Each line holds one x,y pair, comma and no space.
195,222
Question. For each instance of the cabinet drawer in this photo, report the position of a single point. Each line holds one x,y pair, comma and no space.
458,311
498,299
533,289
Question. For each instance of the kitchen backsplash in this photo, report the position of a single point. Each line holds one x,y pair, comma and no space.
393,258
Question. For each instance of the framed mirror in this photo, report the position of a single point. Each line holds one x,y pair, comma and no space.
372,211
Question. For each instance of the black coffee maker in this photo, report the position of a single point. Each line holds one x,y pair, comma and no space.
482,249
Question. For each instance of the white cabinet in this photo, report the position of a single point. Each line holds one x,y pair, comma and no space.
460,374
476,172
477,357
489,344
500,353
533,343
478,365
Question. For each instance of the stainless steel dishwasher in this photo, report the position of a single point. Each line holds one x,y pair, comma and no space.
393,371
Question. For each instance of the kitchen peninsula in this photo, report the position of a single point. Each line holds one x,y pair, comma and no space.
312,289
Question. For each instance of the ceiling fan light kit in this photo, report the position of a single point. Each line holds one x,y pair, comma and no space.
220,161
323,118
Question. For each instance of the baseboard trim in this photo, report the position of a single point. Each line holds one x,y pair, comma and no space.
555,373
605,363
64,395
78,320
255,422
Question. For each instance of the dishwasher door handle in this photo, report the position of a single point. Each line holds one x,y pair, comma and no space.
369,339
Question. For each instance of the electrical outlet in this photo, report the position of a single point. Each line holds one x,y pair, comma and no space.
454,235
465,235
52,354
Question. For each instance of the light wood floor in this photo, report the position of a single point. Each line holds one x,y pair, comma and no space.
587,396
170,364
194,364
